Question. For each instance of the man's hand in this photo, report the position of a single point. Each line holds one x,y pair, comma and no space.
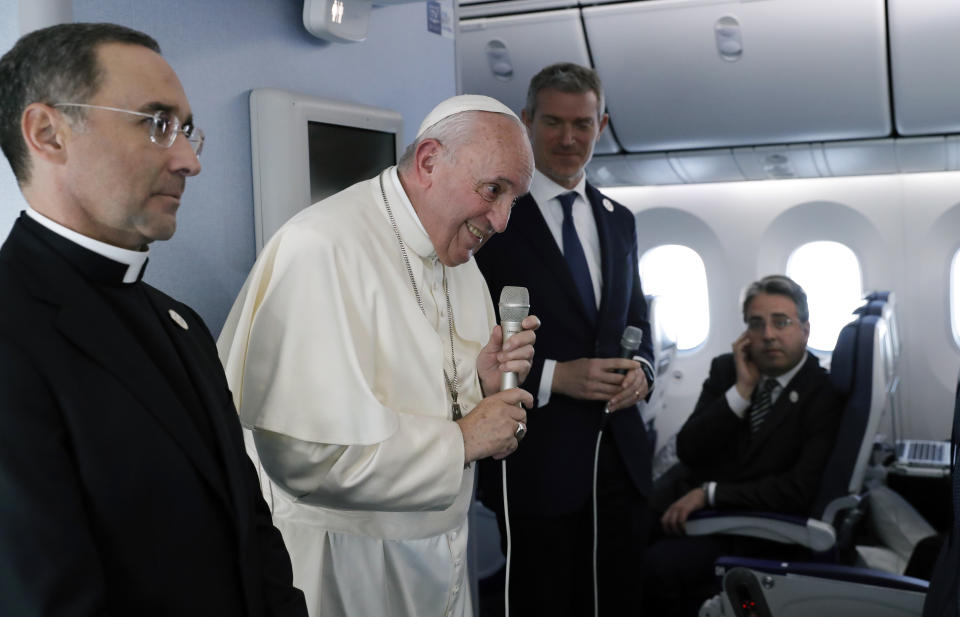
514,356
747,372
491,428
633,390
674,520
596,379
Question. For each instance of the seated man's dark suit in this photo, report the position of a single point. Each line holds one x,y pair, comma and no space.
775,469
124,485
550,476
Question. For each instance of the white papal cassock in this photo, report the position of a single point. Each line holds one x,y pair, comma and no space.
338,378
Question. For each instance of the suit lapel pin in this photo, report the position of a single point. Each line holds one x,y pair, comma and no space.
177,319
608,204
794,397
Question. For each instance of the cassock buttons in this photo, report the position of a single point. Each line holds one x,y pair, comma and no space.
794,397
177,319
608,204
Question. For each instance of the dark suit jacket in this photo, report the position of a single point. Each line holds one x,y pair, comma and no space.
111,500
777,469
943,596
552,471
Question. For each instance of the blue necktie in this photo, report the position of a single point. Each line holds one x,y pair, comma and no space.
576,260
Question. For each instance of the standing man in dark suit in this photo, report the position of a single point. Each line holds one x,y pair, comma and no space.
758,439
576,252
124,485
943,597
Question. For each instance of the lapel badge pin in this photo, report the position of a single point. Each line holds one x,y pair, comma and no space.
794,397
608,204
177,319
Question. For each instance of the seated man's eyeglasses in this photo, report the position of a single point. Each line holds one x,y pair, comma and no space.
164,126
759,324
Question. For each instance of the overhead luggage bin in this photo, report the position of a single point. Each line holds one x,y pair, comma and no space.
499,55
488,8
685,74
924,48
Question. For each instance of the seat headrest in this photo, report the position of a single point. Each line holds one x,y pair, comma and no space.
842,362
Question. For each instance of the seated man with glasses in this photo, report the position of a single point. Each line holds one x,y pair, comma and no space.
758,439
125,488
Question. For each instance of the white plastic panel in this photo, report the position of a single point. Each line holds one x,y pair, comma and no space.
611,171
861,158
917,154
632,170
499,55
683,75
777,162
706,166
924,48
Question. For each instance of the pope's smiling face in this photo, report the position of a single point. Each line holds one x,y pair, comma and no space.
475,187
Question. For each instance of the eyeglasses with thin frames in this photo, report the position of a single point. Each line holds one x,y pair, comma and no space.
759,324
164,126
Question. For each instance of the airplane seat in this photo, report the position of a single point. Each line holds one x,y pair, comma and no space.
752,587
884,304
763,588
857,373
664,352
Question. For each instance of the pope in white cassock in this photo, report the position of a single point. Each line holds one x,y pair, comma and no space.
365,362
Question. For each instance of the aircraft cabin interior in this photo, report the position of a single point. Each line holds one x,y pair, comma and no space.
819,139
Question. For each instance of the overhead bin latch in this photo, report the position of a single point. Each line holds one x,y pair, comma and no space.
498,57
729,42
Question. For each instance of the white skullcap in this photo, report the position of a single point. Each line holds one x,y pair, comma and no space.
463,102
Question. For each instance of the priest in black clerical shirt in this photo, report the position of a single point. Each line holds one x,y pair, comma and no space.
124,485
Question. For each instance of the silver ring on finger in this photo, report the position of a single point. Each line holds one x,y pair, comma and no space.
520,432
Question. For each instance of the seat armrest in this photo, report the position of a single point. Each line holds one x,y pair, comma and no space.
847,502
828,571
810,533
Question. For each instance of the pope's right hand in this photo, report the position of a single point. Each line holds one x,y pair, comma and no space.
491,428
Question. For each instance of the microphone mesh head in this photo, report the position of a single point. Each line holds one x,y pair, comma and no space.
514,303
632,337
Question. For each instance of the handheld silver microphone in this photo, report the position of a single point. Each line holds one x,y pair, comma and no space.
630,343
514,307
629,346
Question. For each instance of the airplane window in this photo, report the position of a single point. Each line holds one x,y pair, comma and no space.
676,274
830,274
955,296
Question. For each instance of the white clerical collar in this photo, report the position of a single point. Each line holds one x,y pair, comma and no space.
134,260
420,243
784,379
543,189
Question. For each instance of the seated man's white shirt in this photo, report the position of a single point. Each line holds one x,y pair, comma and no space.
339,376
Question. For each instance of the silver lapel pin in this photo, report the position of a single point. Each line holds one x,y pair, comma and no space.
608,204
177,319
